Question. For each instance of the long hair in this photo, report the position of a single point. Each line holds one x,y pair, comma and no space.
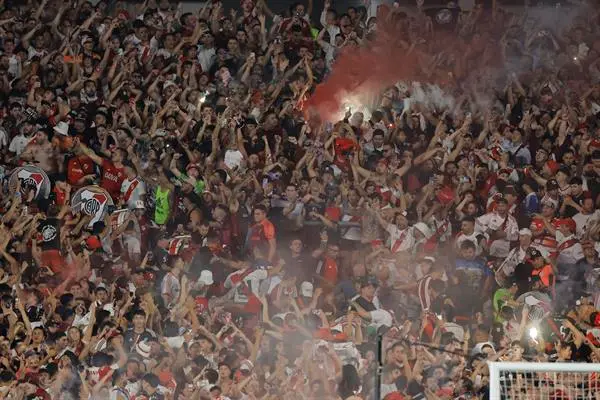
350,383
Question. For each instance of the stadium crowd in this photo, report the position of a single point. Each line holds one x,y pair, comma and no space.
175,224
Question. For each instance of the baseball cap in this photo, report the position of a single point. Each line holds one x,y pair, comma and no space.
93,243
246,365
525,231
568,222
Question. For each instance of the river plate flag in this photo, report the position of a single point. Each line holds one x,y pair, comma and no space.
31,177
93,201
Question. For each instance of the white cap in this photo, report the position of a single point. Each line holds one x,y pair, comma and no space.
306,289
62,128
246,365
168,83
532,301
478,348
525,231
429,258
424,229
206,278
381,318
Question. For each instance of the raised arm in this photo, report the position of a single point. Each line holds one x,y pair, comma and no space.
91,154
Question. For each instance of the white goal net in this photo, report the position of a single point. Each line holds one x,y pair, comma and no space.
548,381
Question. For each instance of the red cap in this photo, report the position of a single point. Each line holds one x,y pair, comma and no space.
394,396
445,195
568,222
537,224
167,380
93,243
553,166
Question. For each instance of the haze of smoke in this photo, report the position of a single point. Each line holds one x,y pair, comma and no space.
358,73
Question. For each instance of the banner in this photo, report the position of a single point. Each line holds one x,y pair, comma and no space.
92,200
30,176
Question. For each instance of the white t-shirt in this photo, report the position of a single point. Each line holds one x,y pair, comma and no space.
233,158
170,286
18,144
132,244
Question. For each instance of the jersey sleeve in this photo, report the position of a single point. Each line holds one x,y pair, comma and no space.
269,231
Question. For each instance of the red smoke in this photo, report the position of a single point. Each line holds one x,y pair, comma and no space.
360,69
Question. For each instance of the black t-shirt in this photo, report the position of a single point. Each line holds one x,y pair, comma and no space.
131,338
522,277
50,230
300,265
254,147
570,211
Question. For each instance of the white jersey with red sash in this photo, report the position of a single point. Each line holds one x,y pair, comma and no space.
132,191
546,245
495,222
507,268
569,250
423,292
400,239
442,229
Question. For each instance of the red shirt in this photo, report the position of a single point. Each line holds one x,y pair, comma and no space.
261,233
328,269
112,178
77,168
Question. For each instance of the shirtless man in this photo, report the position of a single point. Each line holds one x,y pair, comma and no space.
41,152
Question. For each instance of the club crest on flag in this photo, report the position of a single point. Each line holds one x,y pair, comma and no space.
93,201
30,177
